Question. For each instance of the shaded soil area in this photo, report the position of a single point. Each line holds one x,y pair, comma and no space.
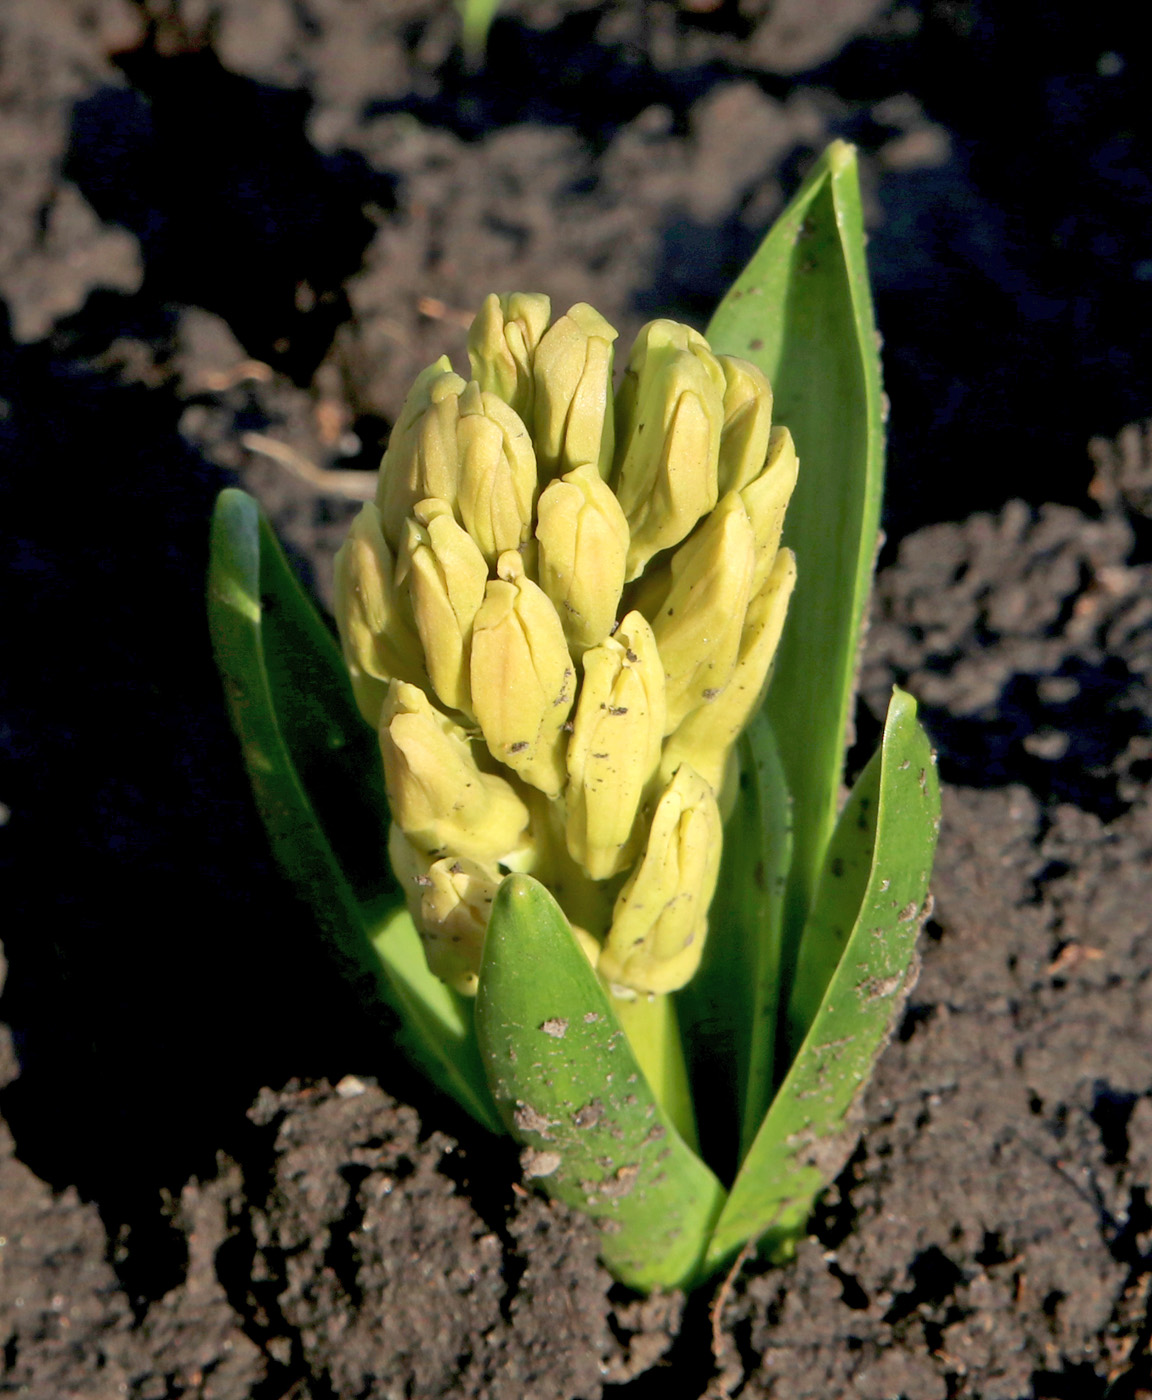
230,233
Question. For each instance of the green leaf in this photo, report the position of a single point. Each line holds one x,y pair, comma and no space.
729,1009
570,1089
809,1131
316,775
802,311
839,896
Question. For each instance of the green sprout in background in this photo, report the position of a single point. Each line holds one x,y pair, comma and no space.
629,915
476,18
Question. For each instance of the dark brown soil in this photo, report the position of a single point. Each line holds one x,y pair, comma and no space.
230,232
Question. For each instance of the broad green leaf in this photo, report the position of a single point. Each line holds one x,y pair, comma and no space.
839,897
802,311
809,1130
569,1088
729,1009
316,775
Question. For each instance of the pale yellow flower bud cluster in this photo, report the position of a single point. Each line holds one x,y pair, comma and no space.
559,614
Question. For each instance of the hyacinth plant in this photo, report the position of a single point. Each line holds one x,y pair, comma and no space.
567,795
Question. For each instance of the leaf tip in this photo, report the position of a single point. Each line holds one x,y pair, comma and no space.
841,156
518,888
903,703
230,499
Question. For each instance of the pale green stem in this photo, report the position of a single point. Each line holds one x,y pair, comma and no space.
650,1025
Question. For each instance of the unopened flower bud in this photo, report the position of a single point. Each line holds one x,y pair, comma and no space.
376,635
615,746
705,737
502,344
669,412
454,911
766,500
573,420
421,459
438,796
661,916
450,901
747,423
583,539
497,481
523,681
698,628
445,574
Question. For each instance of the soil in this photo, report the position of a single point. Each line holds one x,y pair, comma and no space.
230,233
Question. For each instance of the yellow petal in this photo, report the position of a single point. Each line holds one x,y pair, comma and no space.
705,737
615,747
523,681
497,481
661,915
376,633
573,416
454,909
583,539
747,422
669,416
450,900
438,796
698,628
421,459
445,574
766,500
502,345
